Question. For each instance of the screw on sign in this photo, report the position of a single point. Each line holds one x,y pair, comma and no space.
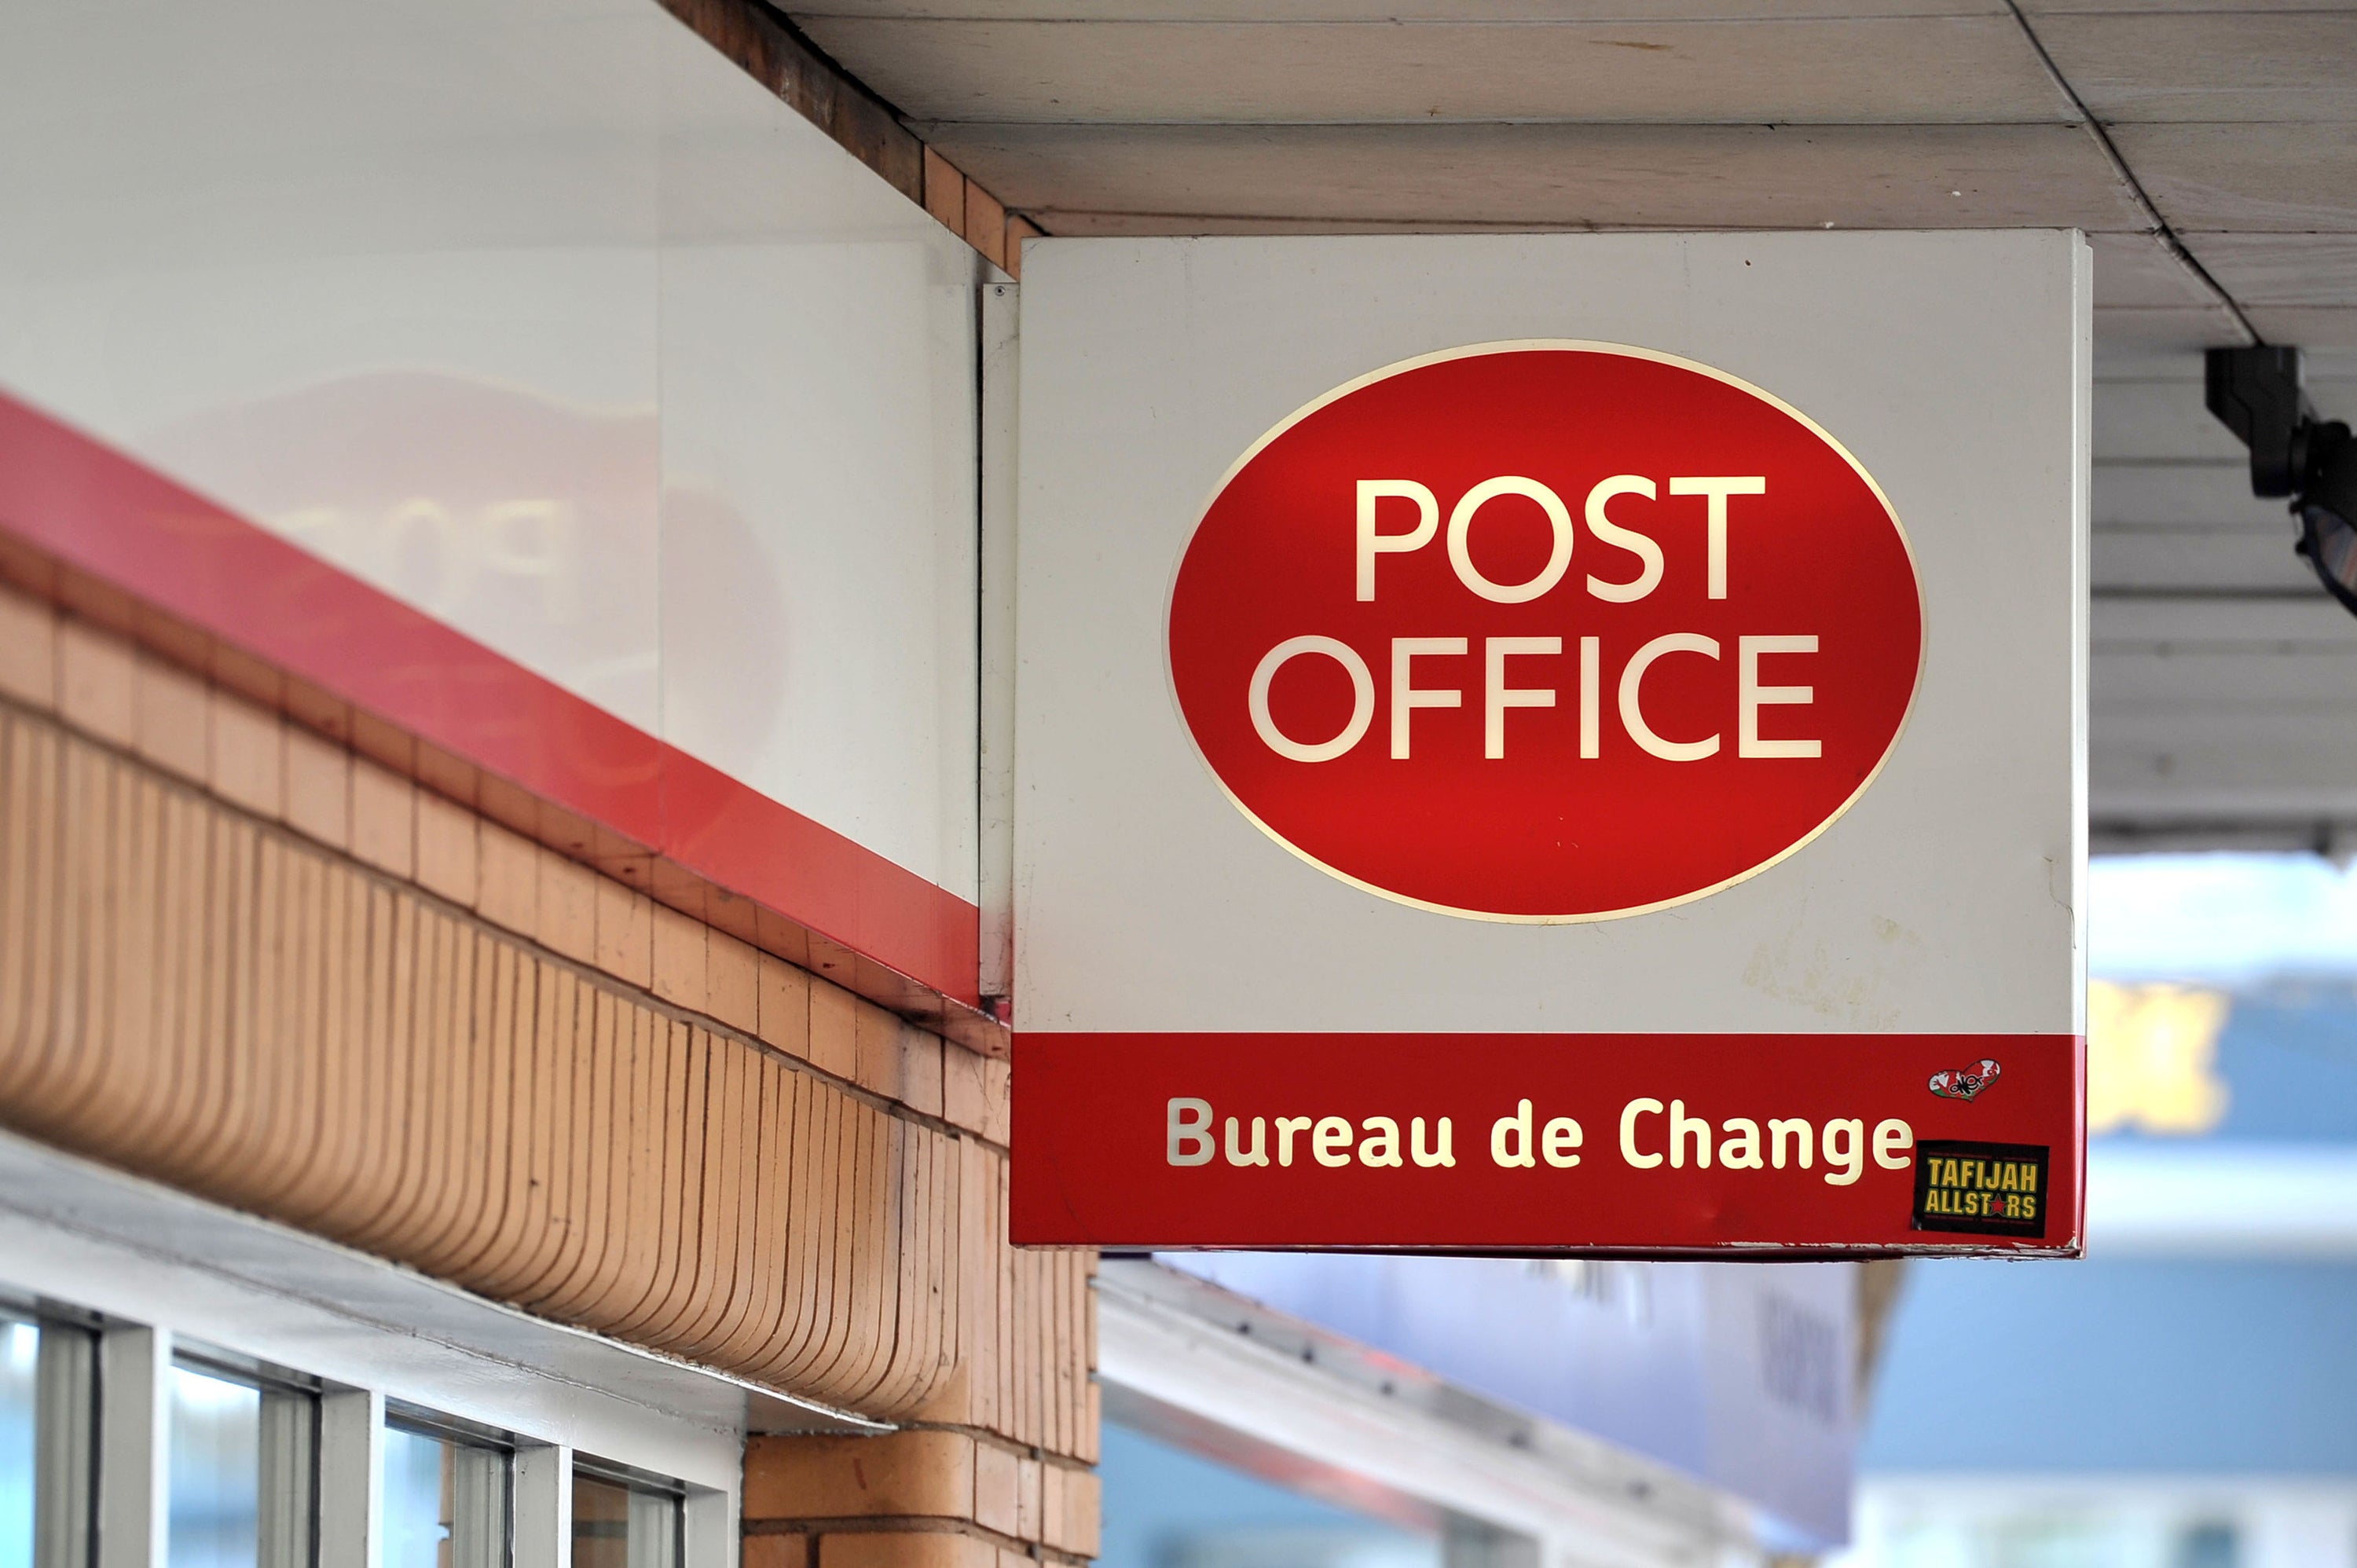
1545,631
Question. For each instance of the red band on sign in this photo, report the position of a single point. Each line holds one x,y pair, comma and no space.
1545,631
1527,1142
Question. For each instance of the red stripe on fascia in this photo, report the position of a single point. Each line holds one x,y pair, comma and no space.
750,844
123,523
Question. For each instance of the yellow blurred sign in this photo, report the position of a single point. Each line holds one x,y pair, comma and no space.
2152,1052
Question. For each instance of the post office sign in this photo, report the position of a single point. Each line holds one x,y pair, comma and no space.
1550,743
1610,638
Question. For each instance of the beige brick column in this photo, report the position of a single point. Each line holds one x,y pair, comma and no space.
927,1497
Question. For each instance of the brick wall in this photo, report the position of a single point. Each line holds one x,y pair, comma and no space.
246,951
927,1497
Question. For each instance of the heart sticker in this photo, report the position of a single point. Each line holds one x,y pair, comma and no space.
1965,1082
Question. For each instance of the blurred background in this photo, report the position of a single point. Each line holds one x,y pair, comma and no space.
2185,1397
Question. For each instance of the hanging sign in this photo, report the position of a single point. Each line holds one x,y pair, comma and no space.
1556,793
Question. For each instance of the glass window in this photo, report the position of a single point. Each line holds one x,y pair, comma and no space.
445,1501
243,1472
623,1522
1170,1508
216,1496
48,1432
20,1353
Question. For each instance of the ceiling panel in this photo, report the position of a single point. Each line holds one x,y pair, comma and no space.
2179,364
2253,179
2159,419
2138,270
2310,327
2208,65
2306,681
1564,176
1791,71
2244,750
1087,225
2181,493
2043,8
2223,682
2133,271
2281,269
2301,702
2330,386
2328,373
2245,624
2130,327
1407,12
2230,559
2223,768
2235,706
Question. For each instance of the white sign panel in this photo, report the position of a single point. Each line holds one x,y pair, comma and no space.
1605,696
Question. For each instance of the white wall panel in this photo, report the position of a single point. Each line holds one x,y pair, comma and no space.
545,318
381,278
1147,365
819,470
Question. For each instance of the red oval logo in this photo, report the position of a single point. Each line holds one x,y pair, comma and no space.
1545,631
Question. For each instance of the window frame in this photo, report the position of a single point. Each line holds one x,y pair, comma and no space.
282,1539
451,1432
65,1458
635,1484
150,1270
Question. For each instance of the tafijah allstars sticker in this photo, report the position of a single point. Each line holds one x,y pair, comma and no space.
1965,1082
1990,1189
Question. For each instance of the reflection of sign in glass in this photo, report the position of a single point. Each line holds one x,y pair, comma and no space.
2152,1052
442,555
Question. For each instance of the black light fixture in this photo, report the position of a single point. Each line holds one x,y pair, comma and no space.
2256,391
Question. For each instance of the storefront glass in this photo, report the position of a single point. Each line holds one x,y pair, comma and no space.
618,1523
446,1502
215,1502
245,1445
1167,1507
20,1350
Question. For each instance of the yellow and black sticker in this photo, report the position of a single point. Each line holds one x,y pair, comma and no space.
1994,1189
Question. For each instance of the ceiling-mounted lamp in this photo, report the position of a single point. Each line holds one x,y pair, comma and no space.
2256,391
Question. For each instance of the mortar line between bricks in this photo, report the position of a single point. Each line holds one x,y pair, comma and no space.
910,1524
998,1440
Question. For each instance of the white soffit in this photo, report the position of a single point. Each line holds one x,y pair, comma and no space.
89,1237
